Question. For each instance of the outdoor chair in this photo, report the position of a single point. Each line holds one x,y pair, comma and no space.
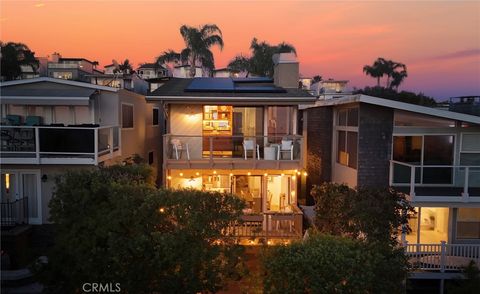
13,120
33,120
285,147
249,145
179,147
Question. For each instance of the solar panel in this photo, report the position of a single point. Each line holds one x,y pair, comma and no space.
210,84
228,85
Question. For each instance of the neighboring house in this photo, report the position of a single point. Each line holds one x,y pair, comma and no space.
152,71
122,80
51,125
77,69
329,89
183,71
239,135
226,73
431,155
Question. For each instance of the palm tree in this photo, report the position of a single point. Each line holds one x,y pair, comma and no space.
260,63
396,72
13,56
376,70
198,42
125,67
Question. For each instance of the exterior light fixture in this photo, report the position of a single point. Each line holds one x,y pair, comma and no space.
305,173
197,173
299,173
249,173
294,178
269,242
169,177
181,174
7,183
282,175
265,174
161,210
214,172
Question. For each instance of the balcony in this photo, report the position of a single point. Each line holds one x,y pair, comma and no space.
436,183
233,152
255,228
442,257
58,145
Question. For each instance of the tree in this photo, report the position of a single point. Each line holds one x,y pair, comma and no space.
470,284
395,72
14,56
114,226
403,96
198,42
125,67
316,79
328,264
371,214
260,62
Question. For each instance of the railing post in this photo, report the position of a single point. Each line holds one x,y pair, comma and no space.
465,185
390,174
254,152
443,256
95,146
412,182
110,141
37,145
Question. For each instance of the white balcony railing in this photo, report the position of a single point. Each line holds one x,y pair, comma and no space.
442,257
436,183
58,145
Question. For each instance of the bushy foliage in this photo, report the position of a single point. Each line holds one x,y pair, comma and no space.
470,284
327,264
403,96
13,56
114,226
371,214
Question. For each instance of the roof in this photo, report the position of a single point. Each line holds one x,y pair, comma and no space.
75,59
76,96
58,81
401,106
177,90
151,65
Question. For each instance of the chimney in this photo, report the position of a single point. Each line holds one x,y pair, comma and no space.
285,70
56,57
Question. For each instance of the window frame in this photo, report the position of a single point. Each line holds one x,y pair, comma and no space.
346,129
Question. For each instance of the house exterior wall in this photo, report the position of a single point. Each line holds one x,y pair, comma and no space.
374,145
319,146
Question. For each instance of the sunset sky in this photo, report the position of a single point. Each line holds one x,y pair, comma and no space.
438,41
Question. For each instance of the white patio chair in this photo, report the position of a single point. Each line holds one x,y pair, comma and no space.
179,147
285,147
248,145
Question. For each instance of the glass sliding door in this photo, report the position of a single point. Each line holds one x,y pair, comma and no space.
438,151
249,188
21,195
280,122
279,196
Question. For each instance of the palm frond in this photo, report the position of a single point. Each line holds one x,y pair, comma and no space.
213,40
168,56
209,29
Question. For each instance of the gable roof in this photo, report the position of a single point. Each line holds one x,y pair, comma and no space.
57,81
347,99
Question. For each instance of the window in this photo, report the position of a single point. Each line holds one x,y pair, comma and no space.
280,121
347,137
347,148
155,116
409,119
470,151
62,75
468,223
150,157
127,116
348,117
